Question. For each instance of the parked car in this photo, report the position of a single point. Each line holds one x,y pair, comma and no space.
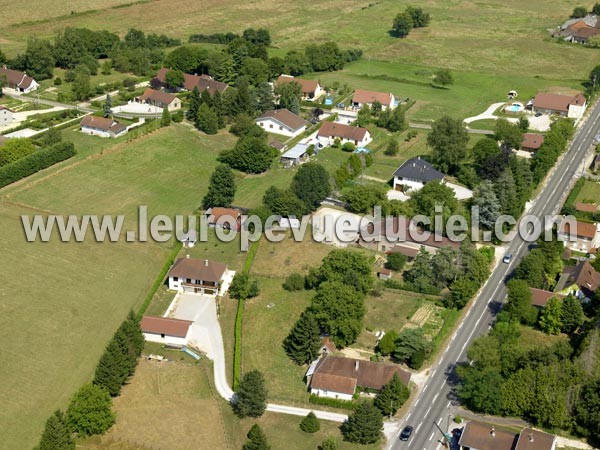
405,435
507,258
341,105
538,114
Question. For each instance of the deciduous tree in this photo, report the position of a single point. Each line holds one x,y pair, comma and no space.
90,411
448,140
311,184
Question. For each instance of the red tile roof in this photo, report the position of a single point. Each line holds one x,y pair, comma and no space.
333,383
198,269
531,439
164,325
308,86
203,82
584,229
481,436
558,102
586,207
540,297
102,123
157,96
532,140
362,96
332,129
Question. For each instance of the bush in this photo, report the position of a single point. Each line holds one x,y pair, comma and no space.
90,411
57,81
329,444
310,423
395,261
392,148
348,147
35,162
333,402
294,282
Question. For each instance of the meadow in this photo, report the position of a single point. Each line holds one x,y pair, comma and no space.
60,303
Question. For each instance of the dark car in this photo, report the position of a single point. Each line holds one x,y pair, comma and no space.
405,435
538,114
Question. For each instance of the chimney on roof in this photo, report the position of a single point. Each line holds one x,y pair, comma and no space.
187,255
493,432
531,437
206,262
356,363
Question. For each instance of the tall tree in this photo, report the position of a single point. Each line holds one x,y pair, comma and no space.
550,318
107,106
193,104
257,440
420,275
448,140
289,95
165,119
303,343
221,190
419,17
251,397
571,315
81,87
311,184
250,154
506,191
90,411
518,306
112,369
364,425
207,119
587,409
510,134
264,93
392,396
411,346
56,435
402,25
489,206
480,389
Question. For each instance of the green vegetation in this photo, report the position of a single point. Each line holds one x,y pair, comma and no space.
364,425
250,395
310,423
90,411
392,396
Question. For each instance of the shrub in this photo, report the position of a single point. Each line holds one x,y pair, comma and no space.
392,148
333,402
348,147
57,81
310,423
294,282
329,444
395,261
90,411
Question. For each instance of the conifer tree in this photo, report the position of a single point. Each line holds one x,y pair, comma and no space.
207,120
112,369
364,425
251,396
165,120
56,435
310,423
194,105
256,439
221,189
392,396
303,343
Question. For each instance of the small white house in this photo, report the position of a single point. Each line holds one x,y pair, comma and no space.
159,99
19,81
363,97
103,127
330,131
165,330
6,116
414,174
198,276
282,121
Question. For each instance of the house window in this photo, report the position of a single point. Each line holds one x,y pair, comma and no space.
270,125
280,127
175,279
188,280
162,335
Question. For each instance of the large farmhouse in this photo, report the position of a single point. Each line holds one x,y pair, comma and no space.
572,106
311,89
198,276
103,127
282,121
17,80
415,173
337,377
329,131
202,82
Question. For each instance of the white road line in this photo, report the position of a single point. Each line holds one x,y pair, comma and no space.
434,398
431,437
439,420
427,412
425,388
408,416
448,405
418,426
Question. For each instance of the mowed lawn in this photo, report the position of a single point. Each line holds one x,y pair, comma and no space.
61,302
590,193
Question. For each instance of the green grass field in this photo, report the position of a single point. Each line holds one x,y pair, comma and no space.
590,193
60,302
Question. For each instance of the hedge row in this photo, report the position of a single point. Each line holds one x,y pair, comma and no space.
35,162
333,402
237,351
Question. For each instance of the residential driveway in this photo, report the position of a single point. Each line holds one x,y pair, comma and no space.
205,333
541,123
487,114
460,192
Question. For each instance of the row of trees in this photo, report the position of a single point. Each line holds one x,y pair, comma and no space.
392,120
90,410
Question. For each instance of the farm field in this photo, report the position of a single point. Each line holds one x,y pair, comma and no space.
82,291
176,402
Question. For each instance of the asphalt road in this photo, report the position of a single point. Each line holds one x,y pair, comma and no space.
432,404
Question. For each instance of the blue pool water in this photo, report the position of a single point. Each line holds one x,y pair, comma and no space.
513,108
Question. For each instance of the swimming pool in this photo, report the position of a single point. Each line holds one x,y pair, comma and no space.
515,107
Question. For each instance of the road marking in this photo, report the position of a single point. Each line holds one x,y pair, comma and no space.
439,420
427,412
417,402
448,405
434,398
425,388
408,416
418,426
432,434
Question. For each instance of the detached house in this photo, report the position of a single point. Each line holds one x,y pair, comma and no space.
532,142
363,97
581,280
202,82
165,330
6,116
103,127
329,131
482,436
19,81
311,89
226,218
572,106
160,99
585,236
414,174
282,121
337,377
198,276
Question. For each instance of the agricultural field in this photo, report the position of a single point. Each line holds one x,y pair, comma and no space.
86,289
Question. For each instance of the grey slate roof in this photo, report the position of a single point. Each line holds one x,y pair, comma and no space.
418,169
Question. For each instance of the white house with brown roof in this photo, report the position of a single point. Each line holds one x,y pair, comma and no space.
159,99
102,126
282,121
311,89
581,237
337,377
165,330
6,116
572,106
329,131
17,80
202,82
198,276
363,97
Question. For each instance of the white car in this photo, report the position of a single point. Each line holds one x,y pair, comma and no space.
507,258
